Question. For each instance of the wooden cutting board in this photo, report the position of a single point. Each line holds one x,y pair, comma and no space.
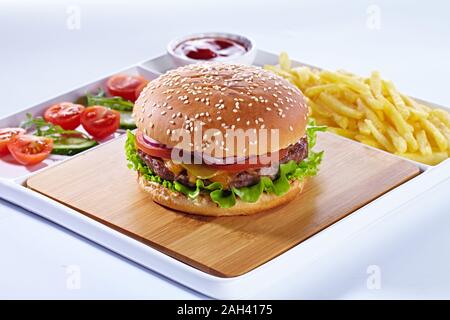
99,185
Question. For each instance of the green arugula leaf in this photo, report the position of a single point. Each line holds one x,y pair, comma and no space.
47,129
115,103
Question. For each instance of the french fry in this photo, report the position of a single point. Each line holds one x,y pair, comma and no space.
285,62
350,95
397,99
438,137
353,124
368,141
431,159
318,110
363,128
424,145
416,115
302,75
397,140
329,122
442,128
372,102
412,103
341,121
371,115
380,114
316,90
343,132
375,84
379,137
401,125
442,115
351,82
338,106
281,73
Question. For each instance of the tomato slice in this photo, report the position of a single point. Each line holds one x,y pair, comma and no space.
6,135
100,122
124,86
29,150
64,114
166,153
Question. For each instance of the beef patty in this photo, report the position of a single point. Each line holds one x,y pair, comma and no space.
296,152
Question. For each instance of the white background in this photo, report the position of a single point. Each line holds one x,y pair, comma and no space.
40,57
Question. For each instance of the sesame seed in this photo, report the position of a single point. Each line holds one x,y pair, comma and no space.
290,128
172,122
268,109
163,112
168,132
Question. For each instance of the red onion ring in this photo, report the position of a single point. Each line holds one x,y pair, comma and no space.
208,160
154,143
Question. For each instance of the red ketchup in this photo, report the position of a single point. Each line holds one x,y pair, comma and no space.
210,48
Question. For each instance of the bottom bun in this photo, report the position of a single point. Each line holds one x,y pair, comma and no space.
203,205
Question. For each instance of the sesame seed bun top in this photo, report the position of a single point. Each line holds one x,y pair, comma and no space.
193,99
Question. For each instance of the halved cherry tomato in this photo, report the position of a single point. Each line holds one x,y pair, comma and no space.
124,86
29,150
139,89
166,153
100,122
6,135
64,114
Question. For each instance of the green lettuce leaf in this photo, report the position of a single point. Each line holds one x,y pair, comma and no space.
227,198
223,198
137,164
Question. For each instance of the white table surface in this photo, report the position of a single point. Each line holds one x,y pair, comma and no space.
40,57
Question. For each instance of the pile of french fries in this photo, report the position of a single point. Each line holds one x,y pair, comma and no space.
371,110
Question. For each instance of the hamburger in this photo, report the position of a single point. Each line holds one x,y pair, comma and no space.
221,139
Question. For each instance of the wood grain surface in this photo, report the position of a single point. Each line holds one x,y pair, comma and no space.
99,185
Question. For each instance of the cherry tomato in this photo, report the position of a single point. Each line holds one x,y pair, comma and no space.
100,122
29,150
139,89
6,135
64,114
124,86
